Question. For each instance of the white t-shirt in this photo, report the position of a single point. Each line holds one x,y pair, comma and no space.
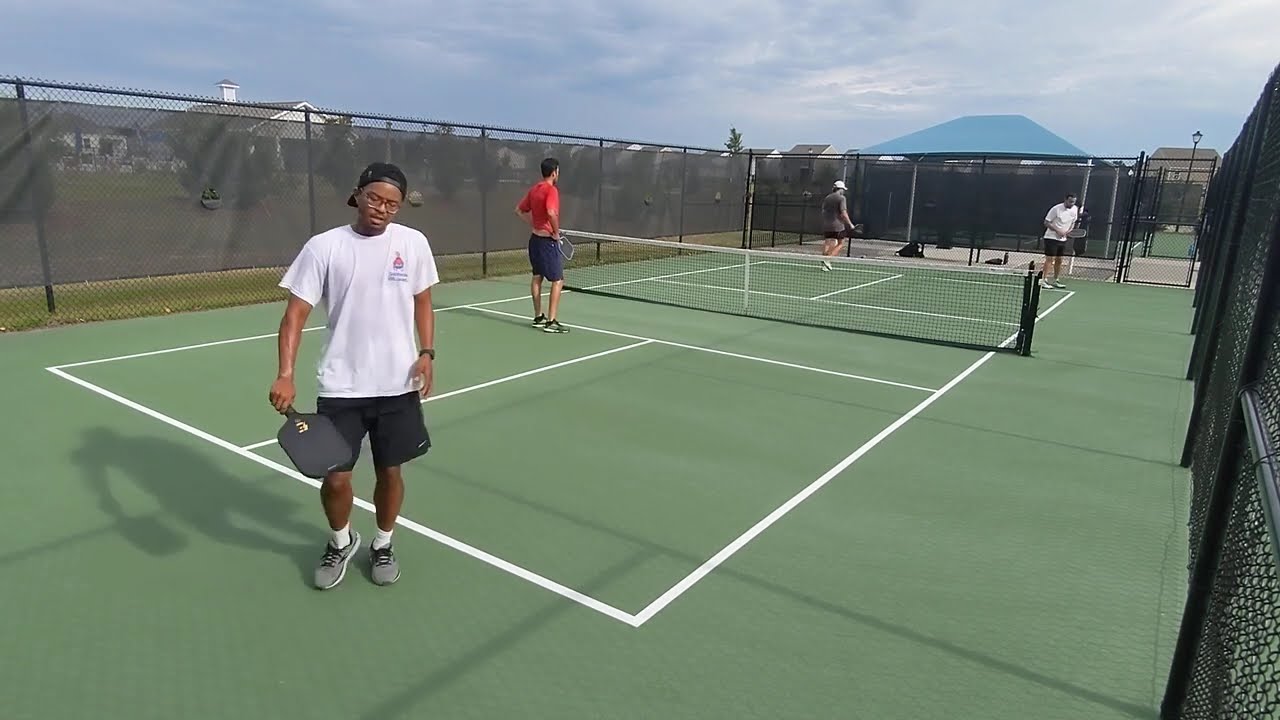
1061,217
367,286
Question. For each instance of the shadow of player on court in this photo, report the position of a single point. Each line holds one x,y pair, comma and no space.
195,492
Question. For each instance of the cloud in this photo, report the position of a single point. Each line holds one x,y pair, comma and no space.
1113,77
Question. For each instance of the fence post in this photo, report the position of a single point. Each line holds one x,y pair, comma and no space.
600,197
33,190
748,199
1131,216
311,173
684,180
483,181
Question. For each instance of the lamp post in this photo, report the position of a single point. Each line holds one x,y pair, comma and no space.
1195,142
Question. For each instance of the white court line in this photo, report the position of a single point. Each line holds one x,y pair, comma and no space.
447,308
499,381
855,287
738,543
726,353
818,259
731,289
493,560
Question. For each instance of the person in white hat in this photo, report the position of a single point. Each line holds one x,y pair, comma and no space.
836,225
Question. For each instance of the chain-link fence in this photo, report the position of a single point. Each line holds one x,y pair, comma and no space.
120,203
988,209
1227,661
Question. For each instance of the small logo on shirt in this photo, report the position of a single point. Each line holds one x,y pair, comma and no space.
397,272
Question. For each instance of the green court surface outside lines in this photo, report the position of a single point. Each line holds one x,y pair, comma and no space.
635,343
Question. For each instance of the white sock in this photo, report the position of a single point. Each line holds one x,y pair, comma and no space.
342,538
381,539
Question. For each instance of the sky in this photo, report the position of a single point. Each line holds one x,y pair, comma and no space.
1113,77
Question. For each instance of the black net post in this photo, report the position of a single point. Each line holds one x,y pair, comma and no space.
684,183
31,191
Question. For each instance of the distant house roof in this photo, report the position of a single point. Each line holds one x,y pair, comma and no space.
1184,153
814,149
973,135
259,111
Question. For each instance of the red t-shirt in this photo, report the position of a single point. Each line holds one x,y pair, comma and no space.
542,199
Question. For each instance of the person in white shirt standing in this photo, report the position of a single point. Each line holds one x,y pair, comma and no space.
1059,221
374,278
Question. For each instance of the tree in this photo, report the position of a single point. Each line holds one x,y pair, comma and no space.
223,152
337,160
448,162
25,173
735,141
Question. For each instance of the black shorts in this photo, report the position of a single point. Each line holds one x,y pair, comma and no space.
545,259
1055,248
836,234
395,426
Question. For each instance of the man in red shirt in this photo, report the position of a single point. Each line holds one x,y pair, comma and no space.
540,207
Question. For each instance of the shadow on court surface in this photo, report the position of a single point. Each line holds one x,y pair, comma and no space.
451,669
827,606
195,493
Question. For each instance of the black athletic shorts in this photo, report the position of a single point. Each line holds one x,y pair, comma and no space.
1055,248
836,234
395,426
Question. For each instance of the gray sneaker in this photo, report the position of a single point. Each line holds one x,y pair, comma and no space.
333,564
383,565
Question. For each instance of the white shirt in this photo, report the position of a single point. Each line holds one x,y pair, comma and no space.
367,286
1061,217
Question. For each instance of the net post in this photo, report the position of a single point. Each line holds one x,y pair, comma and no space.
746,282
1030,308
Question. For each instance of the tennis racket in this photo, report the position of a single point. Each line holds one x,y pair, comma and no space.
1077,233
566,247
313,443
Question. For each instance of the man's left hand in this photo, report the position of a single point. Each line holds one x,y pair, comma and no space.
423,371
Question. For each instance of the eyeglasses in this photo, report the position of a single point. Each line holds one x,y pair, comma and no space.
391,206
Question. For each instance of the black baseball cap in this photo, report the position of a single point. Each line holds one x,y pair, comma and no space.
381,172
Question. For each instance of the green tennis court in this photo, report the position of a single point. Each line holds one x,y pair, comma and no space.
664,513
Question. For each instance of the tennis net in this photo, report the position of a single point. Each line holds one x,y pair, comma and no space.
989,308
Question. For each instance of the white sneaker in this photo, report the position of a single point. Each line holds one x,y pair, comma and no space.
826,266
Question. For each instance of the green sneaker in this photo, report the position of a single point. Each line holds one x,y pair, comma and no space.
384,568
333,564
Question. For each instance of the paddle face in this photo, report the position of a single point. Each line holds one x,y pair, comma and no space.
566,248
313,443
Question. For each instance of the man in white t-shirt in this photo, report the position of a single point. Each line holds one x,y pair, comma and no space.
1059,221
374,278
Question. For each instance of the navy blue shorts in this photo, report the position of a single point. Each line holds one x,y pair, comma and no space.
545,259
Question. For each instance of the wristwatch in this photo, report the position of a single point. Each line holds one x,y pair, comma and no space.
427,351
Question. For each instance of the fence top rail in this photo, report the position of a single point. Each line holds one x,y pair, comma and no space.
210,100
1266,465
